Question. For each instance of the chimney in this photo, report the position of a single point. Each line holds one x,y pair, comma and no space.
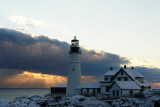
125,66
132,67
111,68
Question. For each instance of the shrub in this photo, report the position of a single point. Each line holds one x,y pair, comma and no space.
139,95
57,98
81,99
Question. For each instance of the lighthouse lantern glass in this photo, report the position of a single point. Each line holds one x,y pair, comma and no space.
73,43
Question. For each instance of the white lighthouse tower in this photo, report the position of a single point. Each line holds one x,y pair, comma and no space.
74,76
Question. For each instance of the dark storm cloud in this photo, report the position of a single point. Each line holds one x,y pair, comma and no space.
15,37
98,63
40,54
150,74
21,52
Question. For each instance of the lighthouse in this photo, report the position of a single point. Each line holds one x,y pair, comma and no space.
74,76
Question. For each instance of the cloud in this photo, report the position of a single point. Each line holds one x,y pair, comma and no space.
150,74
50,56
21,52
25,24
31,80
20,20
96,63
144,63
155,85
39,80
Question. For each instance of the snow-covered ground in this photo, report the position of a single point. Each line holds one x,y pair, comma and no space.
56,101
137,102
149,98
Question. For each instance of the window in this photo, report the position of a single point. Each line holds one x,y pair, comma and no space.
119,79
131,92
126,79
111,78
141,79
113,92
106,78
73,69
73,43
107,88
87,90
117,93
94,90
98,90
121,72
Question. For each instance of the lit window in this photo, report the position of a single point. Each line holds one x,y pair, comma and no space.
73,43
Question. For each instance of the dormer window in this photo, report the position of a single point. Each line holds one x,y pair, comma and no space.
140,79
106,78
119,79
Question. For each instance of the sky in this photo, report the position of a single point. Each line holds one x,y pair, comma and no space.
111,33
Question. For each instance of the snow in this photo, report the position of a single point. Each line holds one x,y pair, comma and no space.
111,72
89,85
4,103
59,85
149,98
133,73
144,83
137,102
128,85
56,101
151,92
82,101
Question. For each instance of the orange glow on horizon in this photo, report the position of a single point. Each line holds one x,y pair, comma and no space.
38,80
89,79
155,85
34,80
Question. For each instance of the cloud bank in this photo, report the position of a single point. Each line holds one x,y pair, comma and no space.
21,52
49,56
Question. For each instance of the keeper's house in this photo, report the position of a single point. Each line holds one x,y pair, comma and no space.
116,83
